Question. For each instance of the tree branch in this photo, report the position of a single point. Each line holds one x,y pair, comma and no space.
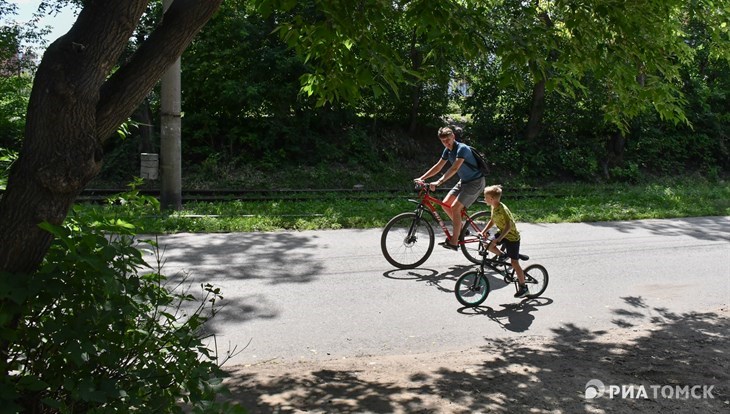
124,91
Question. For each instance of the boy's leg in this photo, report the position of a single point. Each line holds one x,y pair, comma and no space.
520,273
512,249
494,248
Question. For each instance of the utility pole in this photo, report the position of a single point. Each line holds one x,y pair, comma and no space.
170,140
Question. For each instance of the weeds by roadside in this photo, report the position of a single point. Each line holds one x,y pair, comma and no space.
549,204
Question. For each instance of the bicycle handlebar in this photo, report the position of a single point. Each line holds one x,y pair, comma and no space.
422,185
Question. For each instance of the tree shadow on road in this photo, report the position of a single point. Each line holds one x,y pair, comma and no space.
517,374
224,259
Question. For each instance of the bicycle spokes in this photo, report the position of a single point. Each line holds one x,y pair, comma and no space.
472,288
407,241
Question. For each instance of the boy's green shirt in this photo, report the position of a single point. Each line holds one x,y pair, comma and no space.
501,216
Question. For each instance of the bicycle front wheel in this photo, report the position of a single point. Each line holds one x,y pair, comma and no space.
472,288
471,245
536,279
407,241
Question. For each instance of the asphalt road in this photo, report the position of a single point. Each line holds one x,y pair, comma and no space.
330,294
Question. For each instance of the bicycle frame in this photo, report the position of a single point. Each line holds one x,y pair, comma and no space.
426,203
507,271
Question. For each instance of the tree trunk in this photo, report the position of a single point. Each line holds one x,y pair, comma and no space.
537,111
75,105
537,108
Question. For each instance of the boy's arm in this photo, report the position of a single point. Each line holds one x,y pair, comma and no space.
503,232
489,225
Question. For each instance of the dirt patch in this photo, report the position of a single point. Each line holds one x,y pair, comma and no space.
675,363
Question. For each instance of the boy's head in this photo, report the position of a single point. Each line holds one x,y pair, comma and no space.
493,193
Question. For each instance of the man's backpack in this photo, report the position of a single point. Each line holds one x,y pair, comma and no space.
482,165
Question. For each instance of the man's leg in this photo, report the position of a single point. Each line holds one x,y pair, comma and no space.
449,201
456,210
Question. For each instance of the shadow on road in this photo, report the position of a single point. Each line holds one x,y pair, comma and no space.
701,228
521,373
430,276
514,317
224,259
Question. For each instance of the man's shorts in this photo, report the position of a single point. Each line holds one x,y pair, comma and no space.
467,193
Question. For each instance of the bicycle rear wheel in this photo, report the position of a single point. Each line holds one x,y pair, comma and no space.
471,247
407,241
472,288
536,279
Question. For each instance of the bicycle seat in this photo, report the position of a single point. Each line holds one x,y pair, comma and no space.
524,257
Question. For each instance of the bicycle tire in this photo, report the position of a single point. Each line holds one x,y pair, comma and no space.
467,293
470,246
536,279
401,252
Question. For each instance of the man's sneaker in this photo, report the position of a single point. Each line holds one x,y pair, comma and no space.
522,292
448,245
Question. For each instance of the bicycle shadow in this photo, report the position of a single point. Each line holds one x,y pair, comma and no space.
430,276
513,317
496,280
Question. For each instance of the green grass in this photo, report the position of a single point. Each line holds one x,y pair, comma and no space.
548,204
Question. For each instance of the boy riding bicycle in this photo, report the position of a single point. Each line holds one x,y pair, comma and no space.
508,235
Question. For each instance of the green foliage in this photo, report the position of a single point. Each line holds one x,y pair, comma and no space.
619,86
231,108
14,95
97,310
7,157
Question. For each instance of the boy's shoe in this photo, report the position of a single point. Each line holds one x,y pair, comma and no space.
522,292
500,257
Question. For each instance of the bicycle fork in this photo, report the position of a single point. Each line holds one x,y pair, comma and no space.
411,236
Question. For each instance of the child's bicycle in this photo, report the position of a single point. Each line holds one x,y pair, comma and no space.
408,239
472,287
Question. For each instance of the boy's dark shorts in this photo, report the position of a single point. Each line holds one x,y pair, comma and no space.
512,248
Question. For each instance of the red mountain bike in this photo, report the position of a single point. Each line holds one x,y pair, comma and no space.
408,240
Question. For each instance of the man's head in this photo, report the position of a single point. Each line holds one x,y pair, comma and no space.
446,135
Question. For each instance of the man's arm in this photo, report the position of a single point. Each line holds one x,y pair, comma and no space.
450,172
433,170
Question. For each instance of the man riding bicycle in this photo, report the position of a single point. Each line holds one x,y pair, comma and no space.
466,191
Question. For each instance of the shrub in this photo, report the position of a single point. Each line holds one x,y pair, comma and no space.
100,332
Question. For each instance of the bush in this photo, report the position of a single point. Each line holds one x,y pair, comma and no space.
97,310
